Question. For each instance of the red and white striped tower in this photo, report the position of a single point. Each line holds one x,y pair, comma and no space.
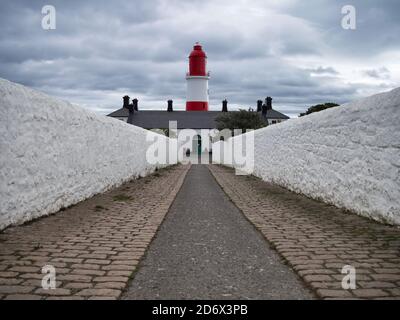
197,80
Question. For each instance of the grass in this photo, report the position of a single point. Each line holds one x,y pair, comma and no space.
99,208
121,197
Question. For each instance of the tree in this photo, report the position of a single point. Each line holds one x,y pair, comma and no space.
241,119
319,107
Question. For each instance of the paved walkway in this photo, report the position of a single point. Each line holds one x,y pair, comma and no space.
206,249
317,239
94,246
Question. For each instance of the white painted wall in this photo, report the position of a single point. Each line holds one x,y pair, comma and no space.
348,156
54,154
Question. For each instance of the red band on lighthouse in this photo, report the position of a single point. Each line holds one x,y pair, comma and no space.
196,106
197,80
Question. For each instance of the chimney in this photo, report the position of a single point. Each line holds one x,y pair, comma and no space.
269,103
225,106
126,102
131,111
130,107
264,109
170,109
135,104
259,105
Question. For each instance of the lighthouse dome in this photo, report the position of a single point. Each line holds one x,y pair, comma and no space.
197,51
197,61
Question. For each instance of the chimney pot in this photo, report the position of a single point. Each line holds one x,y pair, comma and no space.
225,105
126,102
135,104
259,105
269,103
170,107
131,109
264,110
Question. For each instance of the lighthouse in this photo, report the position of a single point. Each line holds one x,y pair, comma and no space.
197,80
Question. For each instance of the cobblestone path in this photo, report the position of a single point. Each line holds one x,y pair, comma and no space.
289,247
317,239
95,245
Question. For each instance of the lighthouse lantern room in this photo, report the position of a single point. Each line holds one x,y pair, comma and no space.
197,80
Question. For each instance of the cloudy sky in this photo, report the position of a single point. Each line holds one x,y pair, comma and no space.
295,51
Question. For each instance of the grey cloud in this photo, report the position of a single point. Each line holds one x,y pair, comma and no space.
324,71
102,50
381,73
377,29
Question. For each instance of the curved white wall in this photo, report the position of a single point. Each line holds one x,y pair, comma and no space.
348,156
54,154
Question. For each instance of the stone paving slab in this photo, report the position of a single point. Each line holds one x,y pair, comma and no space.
317,239
95,245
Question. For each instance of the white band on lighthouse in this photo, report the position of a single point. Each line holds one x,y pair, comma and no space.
197,88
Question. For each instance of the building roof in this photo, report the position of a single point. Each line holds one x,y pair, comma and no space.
151,119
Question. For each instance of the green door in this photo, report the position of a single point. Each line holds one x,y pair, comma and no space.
198,144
